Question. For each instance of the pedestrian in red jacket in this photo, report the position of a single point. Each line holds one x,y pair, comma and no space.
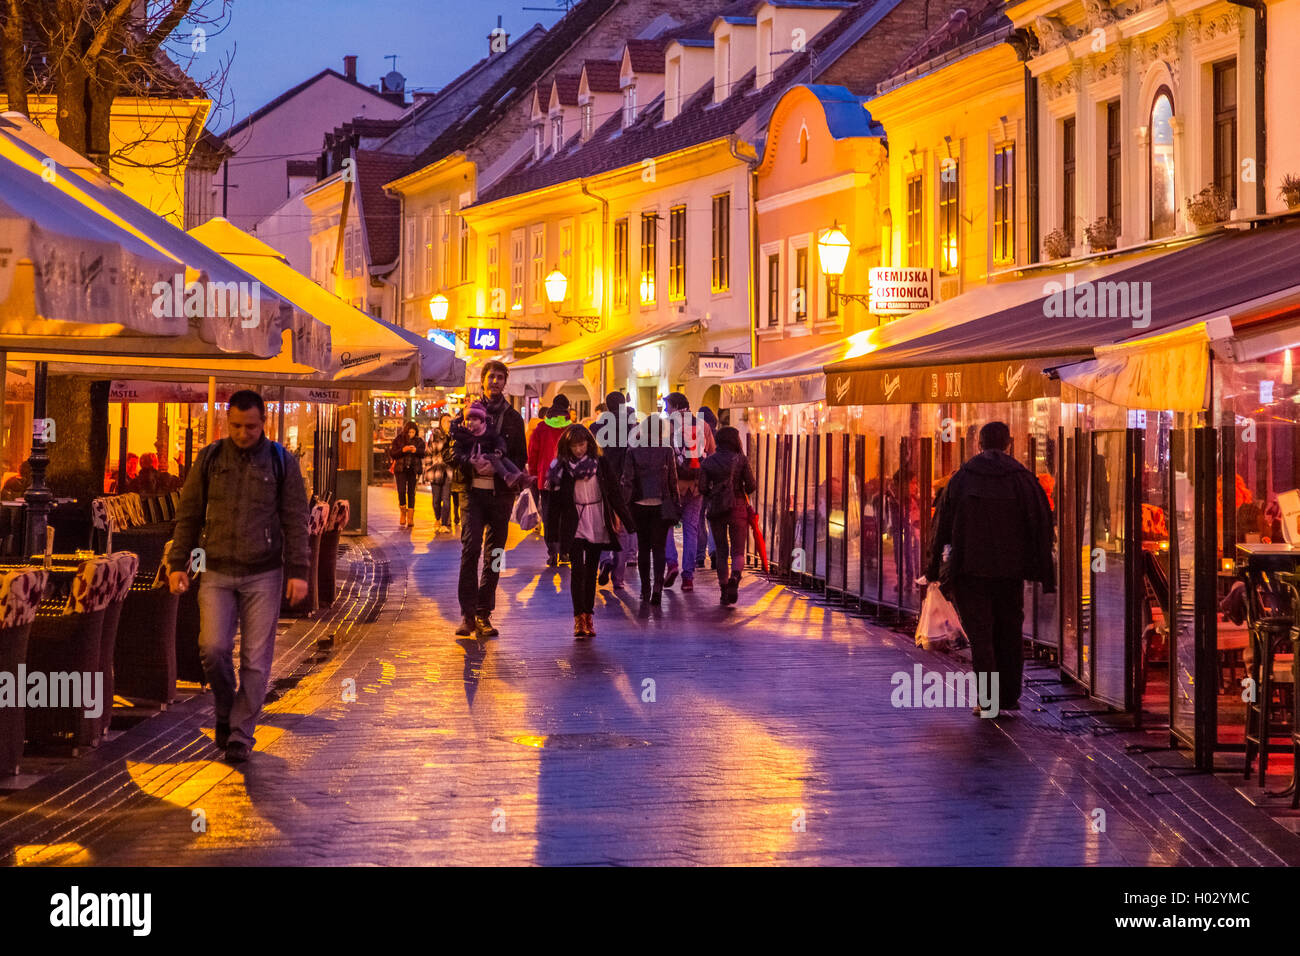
542,445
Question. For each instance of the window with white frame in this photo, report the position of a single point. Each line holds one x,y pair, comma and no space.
800,263
769,315
566,260
412,255
588,121
539,140
557,132
426,275
463,257
537,265
444,241
589,264
495,294
518,267
629,104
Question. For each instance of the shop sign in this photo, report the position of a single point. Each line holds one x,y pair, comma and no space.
790,390
488,340
128,391
1015,381
444,337
900,291
319,396
717,366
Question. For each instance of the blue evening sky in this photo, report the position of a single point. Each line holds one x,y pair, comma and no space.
277,44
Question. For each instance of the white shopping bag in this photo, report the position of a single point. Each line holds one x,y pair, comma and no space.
939,627
525,513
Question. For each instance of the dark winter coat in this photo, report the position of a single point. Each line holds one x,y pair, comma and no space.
995,515
651,472
504,424
407,461
612,499
435,472
721,468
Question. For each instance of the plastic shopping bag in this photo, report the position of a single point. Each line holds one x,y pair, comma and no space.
526,513
939,628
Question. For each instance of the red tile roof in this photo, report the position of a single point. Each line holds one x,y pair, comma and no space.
566,85
380,212
647,56
603,75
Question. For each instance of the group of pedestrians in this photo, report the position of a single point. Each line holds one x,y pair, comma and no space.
601,488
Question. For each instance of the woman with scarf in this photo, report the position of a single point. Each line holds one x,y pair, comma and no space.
438,475
588,507
407,453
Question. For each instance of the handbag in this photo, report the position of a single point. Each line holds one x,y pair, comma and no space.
525,512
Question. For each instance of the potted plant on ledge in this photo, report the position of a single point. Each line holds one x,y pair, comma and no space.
1211,205
1057,244
1290,190
1102,234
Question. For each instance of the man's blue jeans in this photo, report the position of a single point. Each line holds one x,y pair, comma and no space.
691,505
253,603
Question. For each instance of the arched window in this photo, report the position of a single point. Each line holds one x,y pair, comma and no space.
1164,204
803,144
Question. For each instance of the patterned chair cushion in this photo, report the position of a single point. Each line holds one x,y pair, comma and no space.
99,513
135,508
316,519
125,565
160,577
340,515
93,587
20,593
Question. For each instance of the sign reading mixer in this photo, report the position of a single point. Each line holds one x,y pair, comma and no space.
898,291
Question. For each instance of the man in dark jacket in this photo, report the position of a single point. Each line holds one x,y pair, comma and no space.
485,504
995,516
245,496
611,430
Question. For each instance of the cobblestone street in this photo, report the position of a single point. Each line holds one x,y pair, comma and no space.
770,739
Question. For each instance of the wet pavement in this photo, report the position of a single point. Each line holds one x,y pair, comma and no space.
686,734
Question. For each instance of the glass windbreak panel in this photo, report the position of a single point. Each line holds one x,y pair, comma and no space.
889,523
1182,643
1107,565
835,511
1158,562
1044,467
821,508
853,528
907,540
1076,580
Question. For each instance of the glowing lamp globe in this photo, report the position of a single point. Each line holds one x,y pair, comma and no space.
438,307
833,251
556,286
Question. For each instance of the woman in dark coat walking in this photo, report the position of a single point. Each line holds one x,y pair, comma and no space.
438,475
587,502
650,483
725,482
407,453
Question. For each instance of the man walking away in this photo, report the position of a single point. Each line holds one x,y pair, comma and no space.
996,518
244,504
706,546
541,452
485,503
692,442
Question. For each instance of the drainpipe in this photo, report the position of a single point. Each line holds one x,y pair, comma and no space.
605,277
1261,132
1022,41
751,286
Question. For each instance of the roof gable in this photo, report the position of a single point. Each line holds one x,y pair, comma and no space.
294,91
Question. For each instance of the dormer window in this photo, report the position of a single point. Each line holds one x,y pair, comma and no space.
588,121
539,140
629,104
557,132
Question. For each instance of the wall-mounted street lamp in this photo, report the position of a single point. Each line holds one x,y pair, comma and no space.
439,307
833,254
557,285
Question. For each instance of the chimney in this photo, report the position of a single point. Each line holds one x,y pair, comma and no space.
350,67
498,40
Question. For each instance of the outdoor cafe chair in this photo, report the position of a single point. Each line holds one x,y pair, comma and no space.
65,637
20,593
1271,603
125,565
340,515
145,655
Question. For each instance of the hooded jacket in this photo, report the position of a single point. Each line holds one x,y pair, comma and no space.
543,442
995,516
